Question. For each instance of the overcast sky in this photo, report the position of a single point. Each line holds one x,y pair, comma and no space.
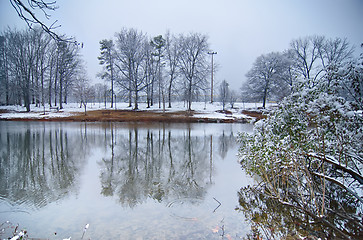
239,30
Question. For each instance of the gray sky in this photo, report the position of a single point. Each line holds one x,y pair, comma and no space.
239,30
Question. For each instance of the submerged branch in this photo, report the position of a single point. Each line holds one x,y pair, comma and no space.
322,219
218,205
305,210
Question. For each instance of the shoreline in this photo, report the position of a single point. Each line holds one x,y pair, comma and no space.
111,115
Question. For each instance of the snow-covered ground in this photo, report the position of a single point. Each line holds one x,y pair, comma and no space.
201,110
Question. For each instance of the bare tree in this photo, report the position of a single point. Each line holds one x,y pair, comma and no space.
101,91
67,64
317,58
151,69
52,71
232,97
311,59
21,58
83,91
335,54
43,41
193,65
130,61
306,52
224,93
36,66
172,52
4,79
287,68
264,77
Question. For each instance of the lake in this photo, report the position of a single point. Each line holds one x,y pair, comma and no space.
127,181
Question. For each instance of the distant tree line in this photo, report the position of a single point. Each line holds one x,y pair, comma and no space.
157,69
37,69
315,58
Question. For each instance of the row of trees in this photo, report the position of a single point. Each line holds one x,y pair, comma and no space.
157,67
36,69
134,63
315,58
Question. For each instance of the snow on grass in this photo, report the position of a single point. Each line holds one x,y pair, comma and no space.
200,110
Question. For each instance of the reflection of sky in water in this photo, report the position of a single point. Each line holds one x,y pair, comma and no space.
175,214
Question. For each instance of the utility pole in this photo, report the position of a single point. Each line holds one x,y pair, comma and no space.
211,88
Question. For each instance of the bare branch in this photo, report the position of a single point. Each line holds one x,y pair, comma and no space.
26,12
333,180
326,159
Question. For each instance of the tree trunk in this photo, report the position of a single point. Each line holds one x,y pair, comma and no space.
130,95
163,101
264,101
148,96
65,95
264,96
50,84
190,95
26,91
42,87
112,93
55,87
85,108
60,91
136,100
152,92
169,95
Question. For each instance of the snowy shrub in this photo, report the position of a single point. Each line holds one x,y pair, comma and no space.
308,155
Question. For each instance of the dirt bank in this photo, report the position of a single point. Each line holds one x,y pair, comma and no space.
141,116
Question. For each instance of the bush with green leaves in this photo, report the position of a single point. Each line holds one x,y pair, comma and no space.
308,154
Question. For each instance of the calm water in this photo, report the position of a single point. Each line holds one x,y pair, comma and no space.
127,181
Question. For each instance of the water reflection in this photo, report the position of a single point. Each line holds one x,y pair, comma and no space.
138,181
38,165
272,219
157,164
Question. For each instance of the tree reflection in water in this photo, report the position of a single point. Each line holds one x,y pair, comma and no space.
163,176
40,162
273,219
154,163
39,165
